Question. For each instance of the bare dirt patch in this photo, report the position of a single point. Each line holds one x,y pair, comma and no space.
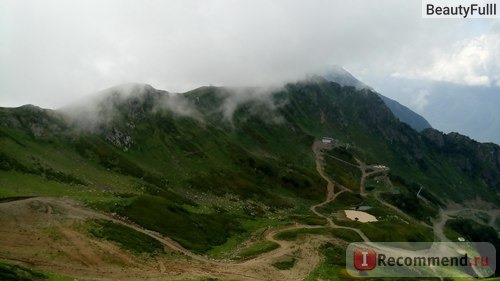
48,234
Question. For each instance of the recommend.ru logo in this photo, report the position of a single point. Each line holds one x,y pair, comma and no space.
365,259
421,259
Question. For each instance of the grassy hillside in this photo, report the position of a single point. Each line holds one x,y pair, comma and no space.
219,165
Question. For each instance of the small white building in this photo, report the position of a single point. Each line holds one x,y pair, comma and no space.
327,140
461,239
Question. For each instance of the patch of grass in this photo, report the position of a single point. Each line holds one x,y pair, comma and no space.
343,201
345,234
474,232
257,249
126,237
376,184
395,231
451,234
111,158
197,232
8,163
408,202
14,184
224,250
334,254
309,219
291,235
332,264
253,228
241,184
343,173
16,272
285,264
300,183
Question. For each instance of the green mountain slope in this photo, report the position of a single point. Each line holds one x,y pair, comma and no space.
341,76
219,163
406,115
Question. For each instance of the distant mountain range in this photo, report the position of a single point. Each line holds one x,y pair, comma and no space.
470,110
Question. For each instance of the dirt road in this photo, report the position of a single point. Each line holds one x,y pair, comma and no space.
331,195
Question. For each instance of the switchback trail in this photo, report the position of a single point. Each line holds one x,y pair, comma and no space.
317,148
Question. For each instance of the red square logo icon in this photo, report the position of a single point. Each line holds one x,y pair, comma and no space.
365,259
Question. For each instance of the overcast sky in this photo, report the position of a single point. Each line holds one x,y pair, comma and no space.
56,52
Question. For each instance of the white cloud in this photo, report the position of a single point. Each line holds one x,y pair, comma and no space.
472,62
420,100
55,51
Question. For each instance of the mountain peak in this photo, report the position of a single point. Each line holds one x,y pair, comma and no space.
340,75
127,89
